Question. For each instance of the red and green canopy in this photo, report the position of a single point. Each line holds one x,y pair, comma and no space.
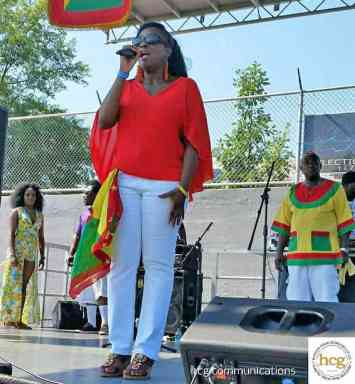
101,14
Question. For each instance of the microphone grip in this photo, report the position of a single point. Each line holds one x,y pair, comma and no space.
127,52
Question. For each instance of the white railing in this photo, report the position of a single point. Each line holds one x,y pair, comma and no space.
213,279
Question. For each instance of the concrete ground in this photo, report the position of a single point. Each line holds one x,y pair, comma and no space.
72,358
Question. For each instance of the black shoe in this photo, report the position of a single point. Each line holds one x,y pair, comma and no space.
89,328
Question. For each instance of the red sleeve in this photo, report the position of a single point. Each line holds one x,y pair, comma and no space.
102,145
196,133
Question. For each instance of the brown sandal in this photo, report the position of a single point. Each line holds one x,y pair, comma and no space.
139,368
114,365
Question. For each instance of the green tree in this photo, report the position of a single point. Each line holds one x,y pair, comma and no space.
247,152
36,62
36,59
49,151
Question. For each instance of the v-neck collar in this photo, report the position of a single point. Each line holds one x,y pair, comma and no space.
27,213
161,91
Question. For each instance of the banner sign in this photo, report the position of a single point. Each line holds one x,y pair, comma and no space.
101,14
332,137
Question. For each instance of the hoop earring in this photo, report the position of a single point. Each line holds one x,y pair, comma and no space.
140,74
166,72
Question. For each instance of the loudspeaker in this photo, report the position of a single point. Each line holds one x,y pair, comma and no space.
192,299
186,257
174,318
175,314
6,369
68,315
251,333
185,301
3,130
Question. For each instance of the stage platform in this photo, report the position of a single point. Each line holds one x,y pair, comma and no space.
72,357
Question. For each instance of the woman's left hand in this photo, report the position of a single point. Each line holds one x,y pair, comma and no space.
41,264
178,208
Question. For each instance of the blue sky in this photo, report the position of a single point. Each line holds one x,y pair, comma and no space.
323,46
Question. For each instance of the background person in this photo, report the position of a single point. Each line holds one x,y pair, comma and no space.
19,303
314,220
97,293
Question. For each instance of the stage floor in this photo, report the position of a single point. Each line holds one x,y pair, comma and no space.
73,358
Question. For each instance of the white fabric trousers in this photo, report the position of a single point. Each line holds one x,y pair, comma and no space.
88,298
100,288
143,229
313,283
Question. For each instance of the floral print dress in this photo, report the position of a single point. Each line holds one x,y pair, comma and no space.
26,244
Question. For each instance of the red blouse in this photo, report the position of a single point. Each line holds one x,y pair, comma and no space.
148,140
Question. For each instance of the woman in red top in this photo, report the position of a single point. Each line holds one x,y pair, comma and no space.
154,130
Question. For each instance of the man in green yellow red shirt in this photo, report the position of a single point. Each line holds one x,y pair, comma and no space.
315,221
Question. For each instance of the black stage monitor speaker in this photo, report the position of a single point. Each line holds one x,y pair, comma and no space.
67,315
185,304
3,130
255,333
6,369
175,314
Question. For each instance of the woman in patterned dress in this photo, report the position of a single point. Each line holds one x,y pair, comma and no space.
19,304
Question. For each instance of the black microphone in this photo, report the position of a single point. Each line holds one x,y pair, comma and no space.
128,52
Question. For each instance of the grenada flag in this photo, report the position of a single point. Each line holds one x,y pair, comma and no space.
101,14
93,257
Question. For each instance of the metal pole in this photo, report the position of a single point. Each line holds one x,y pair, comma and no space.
67,273
214,278
300,127
45,285
265,234
99,97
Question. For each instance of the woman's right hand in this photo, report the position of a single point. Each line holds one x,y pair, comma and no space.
127,63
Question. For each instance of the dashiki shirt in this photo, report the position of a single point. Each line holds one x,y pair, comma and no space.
314,218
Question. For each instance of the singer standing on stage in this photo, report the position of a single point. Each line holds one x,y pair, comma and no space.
162,150
315,221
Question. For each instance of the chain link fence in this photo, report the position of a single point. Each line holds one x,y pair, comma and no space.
247,135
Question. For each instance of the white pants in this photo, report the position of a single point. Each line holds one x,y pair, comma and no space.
143,229
88,299
100,288
313,283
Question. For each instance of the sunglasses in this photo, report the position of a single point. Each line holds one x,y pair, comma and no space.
150,39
